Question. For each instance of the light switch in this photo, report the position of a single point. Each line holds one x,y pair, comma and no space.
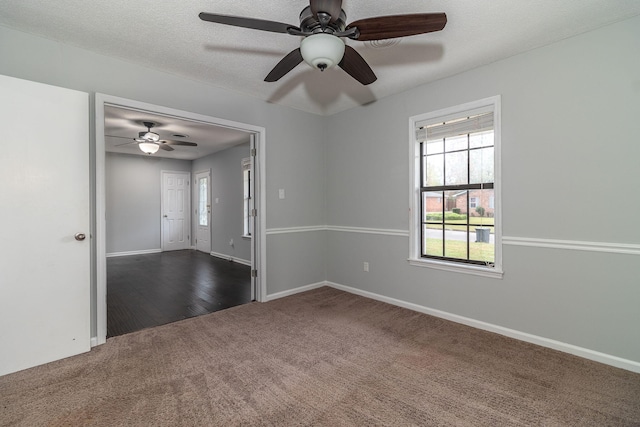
217,200
281,193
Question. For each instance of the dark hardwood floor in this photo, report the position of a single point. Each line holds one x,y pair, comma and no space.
150,290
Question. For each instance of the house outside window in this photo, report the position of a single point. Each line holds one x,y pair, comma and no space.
456,223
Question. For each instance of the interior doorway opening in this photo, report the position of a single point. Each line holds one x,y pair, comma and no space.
116,118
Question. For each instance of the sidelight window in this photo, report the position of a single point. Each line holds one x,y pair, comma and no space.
246,186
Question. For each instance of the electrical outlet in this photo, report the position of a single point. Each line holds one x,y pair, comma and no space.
281,193
231,242
365,266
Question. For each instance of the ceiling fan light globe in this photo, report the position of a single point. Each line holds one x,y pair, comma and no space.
148,147
322,50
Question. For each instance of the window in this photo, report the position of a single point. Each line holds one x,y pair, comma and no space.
455,193
203,201
246,189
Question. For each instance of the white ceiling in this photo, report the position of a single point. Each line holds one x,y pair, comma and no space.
122,125
168,35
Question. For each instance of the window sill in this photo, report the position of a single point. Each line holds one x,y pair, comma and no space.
246,237
493,273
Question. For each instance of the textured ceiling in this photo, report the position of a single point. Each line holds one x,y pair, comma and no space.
121,126
168,35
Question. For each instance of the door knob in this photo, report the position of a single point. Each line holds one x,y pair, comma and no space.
80,237
165,216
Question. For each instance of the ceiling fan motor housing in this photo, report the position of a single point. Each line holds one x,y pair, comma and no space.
310,24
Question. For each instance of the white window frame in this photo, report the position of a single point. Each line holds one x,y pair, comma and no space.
495,270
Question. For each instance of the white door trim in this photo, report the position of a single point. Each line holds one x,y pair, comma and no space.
259,240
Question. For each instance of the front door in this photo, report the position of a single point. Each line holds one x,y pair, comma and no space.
176,203
45,237
203,211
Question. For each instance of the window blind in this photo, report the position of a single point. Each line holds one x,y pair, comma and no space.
475,123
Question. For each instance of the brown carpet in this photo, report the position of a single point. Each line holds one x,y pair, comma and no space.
323,357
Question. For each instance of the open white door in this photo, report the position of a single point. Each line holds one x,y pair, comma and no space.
44,240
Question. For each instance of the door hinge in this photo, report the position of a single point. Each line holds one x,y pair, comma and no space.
254,212
254,273
253,152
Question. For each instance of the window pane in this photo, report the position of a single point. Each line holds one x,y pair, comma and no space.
456,143
434,147
432,240
481,234
203,201
481,139
481,165
481,207
432,204
456,168
246,175
434,169
456,206
482,244
455,245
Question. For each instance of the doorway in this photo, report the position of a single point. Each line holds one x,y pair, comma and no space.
257,141
176,205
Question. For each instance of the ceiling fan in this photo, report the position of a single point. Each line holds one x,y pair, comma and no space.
323,26
149,142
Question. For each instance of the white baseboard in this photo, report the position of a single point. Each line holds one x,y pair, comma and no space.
93,342
230,258
586,353
142,252
305,288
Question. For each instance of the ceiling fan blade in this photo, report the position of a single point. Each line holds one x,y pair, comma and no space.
389,27
165,147
125,143
285,65
356,66
255,24
185,143
332,7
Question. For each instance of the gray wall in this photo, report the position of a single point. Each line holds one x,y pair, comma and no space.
227,187
133,195
570,155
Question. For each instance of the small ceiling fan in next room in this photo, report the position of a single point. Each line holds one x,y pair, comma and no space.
323,26
149,142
